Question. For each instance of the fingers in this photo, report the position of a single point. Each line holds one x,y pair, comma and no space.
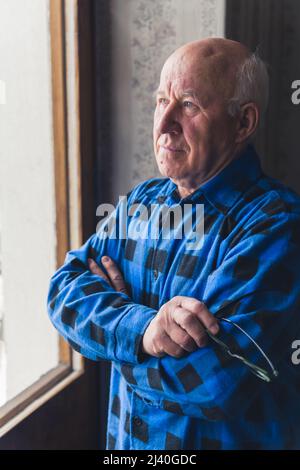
94,268
164,345
184,338
179,328
185,321
157,343
190,325
114,274
208,320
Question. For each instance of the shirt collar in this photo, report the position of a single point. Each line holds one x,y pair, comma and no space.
224,189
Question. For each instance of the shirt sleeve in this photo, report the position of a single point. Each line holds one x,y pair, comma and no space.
92,316
257,286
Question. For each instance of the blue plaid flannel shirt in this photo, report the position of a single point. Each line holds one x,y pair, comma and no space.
248,270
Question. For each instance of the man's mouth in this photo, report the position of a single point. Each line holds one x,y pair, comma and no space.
170,148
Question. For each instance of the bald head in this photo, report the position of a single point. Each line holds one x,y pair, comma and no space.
215,60
215,49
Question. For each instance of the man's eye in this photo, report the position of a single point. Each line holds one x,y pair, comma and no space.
188,104
163,101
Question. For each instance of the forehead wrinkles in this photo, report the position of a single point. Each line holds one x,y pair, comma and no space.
177,81
213,73
175,86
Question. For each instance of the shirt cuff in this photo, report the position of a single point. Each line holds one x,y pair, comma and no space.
129,334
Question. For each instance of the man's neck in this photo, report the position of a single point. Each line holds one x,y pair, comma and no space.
186,188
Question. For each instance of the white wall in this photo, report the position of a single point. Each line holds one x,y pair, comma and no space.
26,192
144,33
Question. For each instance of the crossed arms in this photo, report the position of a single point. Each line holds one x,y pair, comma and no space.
178,327
163,354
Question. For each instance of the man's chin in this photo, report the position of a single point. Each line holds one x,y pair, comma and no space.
170,168
170,173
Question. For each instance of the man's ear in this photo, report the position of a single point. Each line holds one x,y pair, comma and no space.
247,121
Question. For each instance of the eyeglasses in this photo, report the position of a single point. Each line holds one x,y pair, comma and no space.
263,374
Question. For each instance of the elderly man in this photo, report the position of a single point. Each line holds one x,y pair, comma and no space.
163,312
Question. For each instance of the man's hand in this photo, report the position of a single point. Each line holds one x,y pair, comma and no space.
178,328
114,276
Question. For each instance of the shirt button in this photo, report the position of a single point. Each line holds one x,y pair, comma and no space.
137,421
155,274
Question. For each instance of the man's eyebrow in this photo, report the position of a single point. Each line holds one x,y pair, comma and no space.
157,92
184,94
191,93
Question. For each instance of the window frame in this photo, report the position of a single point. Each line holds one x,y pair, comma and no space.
68,200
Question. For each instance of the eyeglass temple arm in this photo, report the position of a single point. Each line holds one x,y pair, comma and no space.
258,371
274,371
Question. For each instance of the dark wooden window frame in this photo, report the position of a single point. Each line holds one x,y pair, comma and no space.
68,205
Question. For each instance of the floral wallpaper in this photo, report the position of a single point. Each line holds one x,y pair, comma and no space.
153,30
152,36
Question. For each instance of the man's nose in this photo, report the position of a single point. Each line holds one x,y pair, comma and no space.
169,122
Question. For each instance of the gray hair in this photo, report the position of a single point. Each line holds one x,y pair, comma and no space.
252,85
